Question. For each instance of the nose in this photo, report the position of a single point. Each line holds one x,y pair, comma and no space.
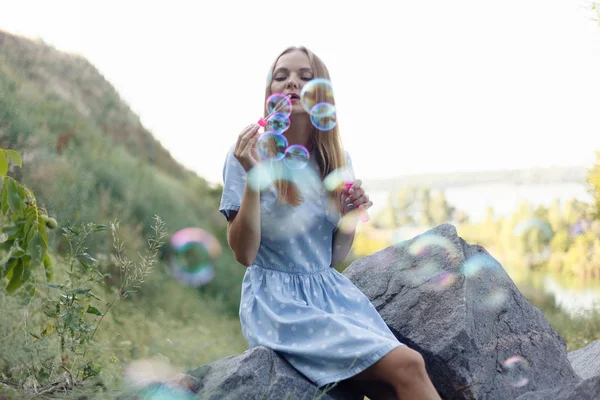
293,82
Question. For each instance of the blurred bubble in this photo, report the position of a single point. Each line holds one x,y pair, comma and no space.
475,264
277,123
425,245
494,298
318,90
516,371
278,102
283,220
166,393
194,252
579,227
443,280
271,146
534,223
142,373
323,116
296,156
269,78
349,221
337,178
423,272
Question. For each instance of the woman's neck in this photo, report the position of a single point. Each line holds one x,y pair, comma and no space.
300,130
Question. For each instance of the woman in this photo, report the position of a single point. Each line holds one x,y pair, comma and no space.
288,236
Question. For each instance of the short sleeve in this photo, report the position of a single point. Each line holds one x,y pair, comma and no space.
234,181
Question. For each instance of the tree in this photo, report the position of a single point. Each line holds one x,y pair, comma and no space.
593,180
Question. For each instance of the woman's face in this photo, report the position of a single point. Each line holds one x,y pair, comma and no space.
291,73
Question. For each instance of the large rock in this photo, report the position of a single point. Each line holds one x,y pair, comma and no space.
456,305
586,390
260,373
586,361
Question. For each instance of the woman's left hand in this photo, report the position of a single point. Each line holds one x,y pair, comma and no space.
355,198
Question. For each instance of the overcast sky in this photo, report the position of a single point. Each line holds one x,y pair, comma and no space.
421,86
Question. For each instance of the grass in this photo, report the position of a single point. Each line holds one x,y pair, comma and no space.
178,326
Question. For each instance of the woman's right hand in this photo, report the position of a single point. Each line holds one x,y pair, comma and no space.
246,148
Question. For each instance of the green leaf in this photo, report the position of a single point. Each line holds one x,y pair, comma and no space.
10,230
48,267
35,250
80,291
15,198
15,280
93,310
34,335
100,228
3,163
5,196
8,268
53,286
15,157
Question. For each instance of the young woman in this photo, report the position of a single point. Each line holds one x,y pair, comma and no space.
288,236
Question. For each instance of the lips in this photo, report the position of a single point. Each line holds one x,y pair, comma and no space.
293,96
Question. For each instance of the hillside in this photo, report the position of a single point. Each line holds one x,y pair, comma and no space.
87,156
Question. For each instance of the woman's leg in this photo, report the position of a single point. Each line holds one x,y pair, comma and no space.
403,369
374,390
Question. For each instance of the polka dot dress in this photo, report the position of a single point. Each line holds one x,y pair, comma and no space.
293,301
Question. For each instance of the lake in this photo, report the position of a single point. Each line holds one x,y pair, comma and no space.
504,198
563,300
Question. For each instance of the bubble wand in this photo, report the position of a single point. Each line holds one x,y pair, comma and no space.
364,216
263,121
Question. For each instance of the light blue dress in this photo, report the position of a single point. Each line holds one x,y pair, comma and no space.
293,301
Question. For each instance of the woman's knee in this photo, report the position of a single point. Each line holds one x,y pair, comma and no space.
410,365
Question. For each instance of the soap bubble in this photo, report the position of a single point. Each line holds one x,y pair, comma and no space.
296,156
269,79
281,221
534,224
323,116
271,146
277,123
194,252
426,244
443,280
337,178
516,371
318,90
494,298
142,373
477,263
280,103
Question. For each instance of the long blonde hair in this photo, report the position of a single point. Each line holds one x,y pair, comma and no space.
326,145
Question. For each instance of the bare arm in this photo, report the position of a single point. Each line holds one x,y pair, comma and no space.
342,243
354,201
243,231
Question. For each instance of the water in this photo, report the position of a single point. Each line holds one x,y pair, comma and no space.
504,198
567,302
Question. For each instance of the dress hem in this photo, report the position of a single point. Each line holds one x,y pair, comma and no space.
357,368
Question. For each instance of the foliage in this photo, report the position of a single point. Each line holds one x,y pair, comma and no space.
25,239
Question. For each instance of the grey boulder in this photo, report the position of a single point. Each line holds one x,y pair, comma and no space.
455,304
586,390
586,361
260,374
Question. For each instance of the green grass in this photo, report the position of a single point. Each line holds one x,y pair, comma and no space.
176,325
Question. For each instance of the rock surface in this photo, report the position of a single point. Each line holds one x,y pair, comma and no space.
456,305
586,390
452,302
586,361
260,373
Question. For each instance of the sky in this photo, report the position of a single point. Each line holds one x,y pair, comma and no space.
420,86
